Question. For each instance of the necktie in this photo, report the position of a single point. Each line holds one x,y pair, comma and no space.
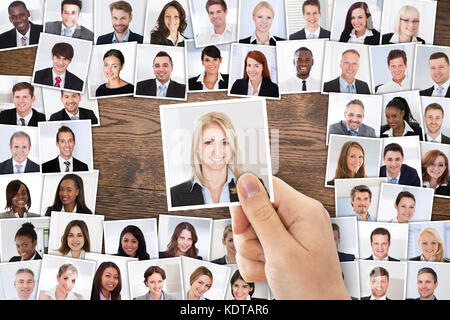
311,35
353,132
303,85
349,88
58,81
67,163
19,168
440,89
22,120
393,180
73,117
24,41
162,91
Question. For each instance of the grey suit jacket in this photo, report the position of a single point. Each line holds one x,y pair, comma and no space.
167,296
341,128
10,214
54,27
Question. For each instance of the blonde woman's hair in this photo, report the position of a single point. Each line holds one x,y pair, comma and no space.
406,12
263,4
342,170
440,254
67,267
200,271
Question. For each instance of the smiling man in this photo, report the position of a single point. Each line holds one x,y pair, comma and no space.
380,241
427,283
312,29
219,31
440,73
379,284
394,168
72,109
434,117
360,199
302,81
24,283
397,64
20,146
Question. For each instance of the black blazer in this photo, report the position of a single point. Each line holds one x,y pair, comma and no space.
345,256
417,131
372,40
443,190
428,92
418,259
19,258
9,116
148,88
6,167
194,84
221,261
444,139
108,38
300,35
408,175
272,41
334,86
45,77
162,255
368,298
267,89
157,39
53,166
386,39
389,258
85,114
8,38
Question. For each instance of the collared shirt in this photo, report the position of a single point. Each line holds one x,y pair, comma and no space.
344,84
35,252
19,37
82,253
389,178
23,164
77,115
315,34
150,296
354,39
210,37
114,39
180,39
390,132
395,39
438,139
52,294
201,78
73,211
382,298
26,118
201,297
102,297
63,78
224,195
254,38
385,259
295,84
422,258
445,86
434,298
426,184
71,30
392,86
62,165
158,84
250,89
359,218
349,130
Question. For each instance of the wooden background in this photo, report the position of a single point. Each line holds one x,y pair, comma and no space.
128,148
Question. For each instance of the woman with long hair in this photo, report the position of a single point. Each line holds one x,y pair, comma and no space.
358,26
170,26
132,243
182,242
435,173
107,282
351,162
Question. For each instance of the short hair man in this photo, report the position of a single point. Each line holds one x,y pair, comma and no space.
64,162
220,31
352,124
19,146
23,114
379,284
397,64
24,283
312,29
68,26
161,85
337,239
121,17
427,282
380,241
72,110
347,81
302,81
58,76
227,241
434,117
440,73
394,168
25,32
360,198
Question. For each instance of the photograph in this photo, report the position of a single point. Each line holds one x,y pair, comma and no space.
222,250
428,281
19,280
429,241
239,289
345,232
436,118
435,172
350,273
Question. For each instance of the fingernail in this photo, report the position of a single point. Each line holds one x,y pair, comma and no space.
248,185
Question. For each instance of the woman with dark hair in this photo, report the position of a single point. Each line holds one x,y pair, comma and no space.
435,173
256,78
113,63
170,26
351,162
405,205
154,278
400,121
241,289
182,242
75,241
132,243
69,196
107,282
211,79
358,26
18,201
26,242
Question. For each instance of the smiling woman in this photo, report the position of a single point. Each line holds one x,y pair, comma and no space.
26,242
132,243
201,281
350,162
66,280
359,26
75,241
182,242
107,282
170,26
18,201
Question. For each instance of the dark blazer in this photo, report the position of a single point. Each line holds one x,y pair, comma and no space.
9,116
300,35
19,258
272,41
158,39
368,298
194,84
418,259
54,27
386,39
334,86
372,40
345,256
443,190
408,175
428,92
53,166
389,258
6,167
162,255
341,128
85,114
45,77
267,89
444,139
221,261
148,88
8,38
108,38
417,131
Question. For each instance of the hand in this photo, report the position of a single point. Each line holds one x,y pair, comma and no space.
288,243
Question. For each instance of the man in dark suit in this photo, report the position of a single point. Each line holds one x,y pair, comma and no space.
337,239
380,241
24,33
72,110
58,76
20,146
434,117
427,282
379,283
440,73
312,29
394,168
347,81
64,162
24,283
162,85
68,26
23,114
121,17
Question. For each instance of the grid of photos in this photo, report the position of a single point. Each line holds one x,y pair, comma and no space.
388,138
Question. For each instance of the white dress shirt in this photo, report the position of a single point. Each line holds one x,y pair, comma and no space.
315,34
392,86
27,118
445,86
295,84
158,84
19,37
77,115
63,78
354,39
390,132
201,79
180,39
210,37
52,294
250,89
62,165
23,164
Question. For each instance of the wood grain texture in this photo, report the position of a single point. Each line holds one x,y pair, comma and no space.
128,148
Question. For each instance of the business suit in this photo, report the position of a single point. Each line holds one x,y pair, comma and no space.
148,88
9,116
389,258
85,114
267,89
108,38
54,27
300,35
272,41
368,298
444,139
221,261
163,254
408,175
167,296
335,86
19,258
386,39
6,167
345,256
10,215
8,38
195,84
341,128
443,190
417,131
370,40
45,77
428,92
418,259
53,166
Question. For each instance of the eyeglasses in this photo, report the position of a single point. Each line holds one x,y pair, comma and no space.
408,21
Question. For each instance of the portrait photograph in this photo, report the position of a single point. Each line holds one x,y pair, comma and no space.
239,289
220,238
345,232
348,157
241,123
111,72
19,280
436,116
253,71
56,271
24,239
428,281
429,241
7,96
300,65
404,204
350,273
435,167
143,230
145,279
62,63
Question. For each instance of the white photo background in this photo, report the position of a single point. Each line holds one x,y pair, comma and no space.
6,131
296,21
348,232
442,227
53,13
445,104
261,288
442,292
6,94
422,77
218,250
8,276
36,14
350,271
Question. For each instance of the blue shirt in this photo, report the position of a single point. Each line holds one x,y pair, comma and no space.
350,130
358,217
343,86
150,296
114,39
224,195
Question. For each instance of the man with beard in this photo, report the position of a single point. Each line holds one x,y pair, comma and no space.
360,198
72,110
302,82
